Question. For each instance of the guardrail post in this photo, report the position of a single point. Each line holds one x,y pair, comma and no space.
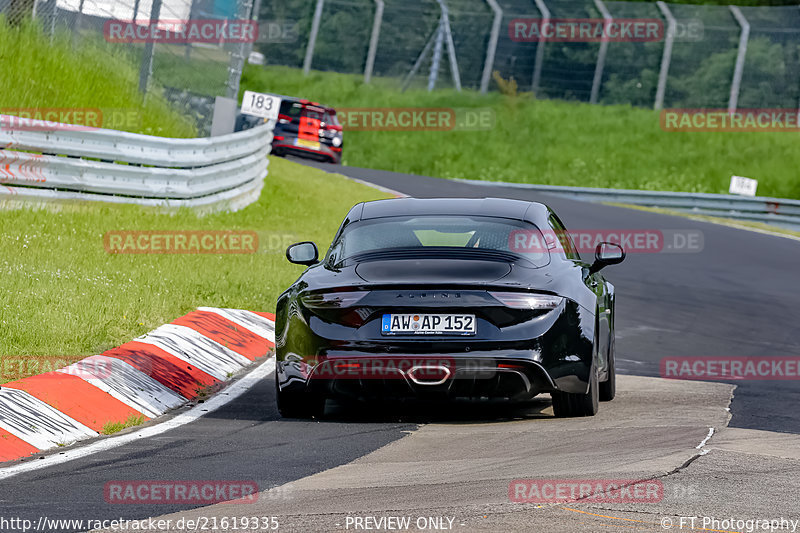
736,84
374,38
667,55
601,54
312,37
146,69
491,50
537,66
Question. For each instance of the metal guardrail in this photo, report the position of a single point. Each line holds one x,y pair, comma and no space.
79,163
779,212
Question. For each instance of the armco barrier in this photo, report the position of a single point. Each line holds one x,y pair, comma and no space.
79,163
780,212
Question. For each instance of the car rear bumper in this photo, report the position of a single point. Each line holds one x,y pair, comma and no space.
325,153
432,376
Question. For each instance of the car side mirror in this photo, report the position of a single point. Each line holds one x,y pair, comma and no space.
303,253
606,253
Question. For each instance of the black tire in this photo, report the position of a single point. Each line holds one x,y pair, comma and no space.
298,404
608,388
569,405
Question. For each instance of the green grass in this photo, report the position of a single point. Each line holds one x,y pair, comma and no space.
40,74
546,141
63,294
109,428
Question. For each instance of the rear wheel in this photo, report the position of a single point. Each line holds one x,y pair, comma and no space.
293,404
568,405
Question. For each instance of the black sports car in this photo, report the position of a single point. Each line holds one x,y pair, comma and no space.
484,299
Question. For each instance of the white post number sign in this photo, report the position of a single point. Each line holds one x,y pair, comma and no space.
261,105
743,186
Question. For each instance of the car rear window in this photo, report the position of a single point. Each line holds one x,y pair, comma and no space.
451,231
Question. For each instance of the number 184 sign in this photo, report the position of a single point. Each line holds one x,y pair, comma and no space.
261,105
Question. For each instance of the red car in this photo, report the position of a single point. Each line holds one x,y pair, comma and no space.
308,129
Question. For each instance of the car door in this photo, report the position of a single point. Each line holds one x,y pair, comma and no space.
595,283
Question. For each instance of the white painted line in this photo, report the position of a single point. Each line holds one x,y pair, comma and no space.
263,327
195,348
705,440
381,188
36,422
701,446
126,383
225,396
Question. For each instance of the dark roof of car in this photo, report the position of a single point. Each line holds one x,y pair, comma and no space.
496,207
305,102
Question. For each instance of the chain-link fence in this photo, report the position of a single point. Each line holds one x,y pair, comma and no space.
690,62
191,73
700,57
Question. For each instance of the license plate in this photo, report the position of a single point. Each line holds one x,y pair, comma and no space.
427,324
314,145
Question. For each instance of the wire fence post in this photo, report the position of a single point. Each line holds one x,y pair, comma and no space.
666,57
135,10
53,15
413,72
255,15
373,41
437,56
491,49
736,84
78,22
187,48
312,37
146,69
237,57
451,48
601,54
537,65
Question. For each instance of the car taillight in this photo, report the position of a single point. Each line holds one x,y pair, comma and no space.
278,137
527,300
331,300
284,119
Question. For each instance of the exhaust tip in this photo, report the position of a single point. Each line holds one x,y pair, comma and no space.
429,374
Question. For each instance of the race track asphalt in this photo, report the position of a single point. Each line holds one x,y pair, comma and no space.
738,296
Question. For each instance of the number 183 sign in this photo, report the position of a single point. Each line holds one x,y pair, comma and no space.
261,105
